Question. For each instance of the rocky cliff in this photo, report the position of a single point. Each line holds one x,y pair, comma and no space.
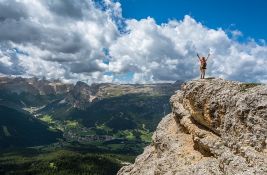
216,127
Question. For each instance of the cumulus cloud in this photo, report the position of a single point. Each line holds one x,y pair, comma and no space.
167,52
56,39
91,41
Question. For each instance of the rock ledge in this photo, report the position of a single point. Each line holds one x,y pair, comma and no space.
216,127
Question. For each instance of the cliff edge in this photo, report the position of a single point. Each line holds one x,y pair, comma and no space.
216,127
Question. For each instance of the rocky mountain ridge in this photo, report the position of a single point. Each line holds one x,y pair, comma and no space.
216,127
39,92
33,85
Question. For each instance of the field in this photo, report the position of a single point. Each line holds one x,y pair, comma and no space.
60,162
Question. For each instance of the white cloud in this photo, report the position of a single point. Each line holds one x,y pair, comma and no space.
6,61
167,52
65,39
58,39
236,34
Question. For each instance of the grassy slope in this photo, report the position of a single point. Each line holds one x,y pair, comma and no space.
19,130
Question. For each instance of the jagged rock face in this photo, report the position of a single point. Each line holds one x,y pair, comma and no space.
17,85
33,86
79,96
216,127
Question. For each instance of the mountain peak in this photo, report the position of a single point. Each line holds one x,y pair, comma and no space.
216,127
80,83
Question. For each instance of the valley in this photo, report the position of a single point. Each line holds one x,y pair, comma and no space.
114,121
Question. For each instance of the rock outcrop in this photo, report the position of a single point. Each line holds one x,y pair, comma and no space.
79,96
216,127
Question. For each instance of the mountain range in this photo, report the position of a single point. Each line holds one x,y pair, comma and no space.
49,124
80,112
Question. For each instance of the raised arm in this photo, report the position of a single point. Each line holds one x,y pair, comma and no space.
208,57
198,56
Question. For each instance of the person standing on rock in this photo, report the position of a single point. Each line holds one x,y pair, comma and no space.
203,65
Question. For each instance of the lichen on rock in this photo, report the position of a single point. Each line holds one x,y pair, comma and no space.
216,127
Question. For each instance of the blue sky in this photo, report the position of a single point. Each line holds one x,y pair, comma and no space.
247,16
124,41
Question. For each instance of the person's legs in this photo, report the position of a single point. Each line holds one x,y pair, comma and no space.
201,73
204,70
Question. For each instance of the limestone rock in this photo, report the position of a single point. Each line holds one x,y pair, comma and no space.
216,127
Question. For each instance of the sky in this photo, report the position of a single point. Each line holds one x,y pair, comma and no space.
133,41
248,16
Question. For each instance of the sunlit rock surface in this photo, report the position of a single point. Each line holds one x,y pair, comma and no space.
216,127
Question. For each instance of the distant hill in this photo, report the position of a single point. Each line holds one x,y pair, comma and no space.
130,111
20,130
